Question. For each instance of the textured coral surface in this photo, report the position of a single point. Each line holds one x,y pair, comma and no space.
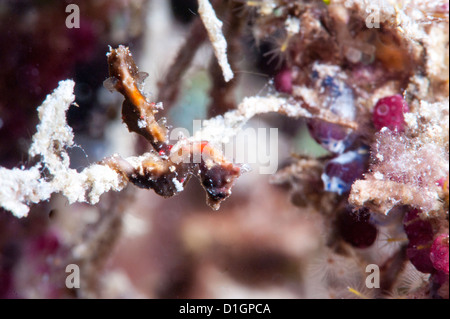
101,130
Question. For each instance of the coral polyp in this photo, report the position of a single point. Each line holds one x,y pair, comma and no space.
345,102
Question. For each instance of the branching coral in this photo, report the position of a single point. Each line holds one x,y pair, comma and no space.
369,79
374,51
166,170
409,164
52,173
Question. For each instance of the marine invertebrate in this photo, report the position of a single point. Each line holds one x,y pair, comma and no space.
166,170
342,171
374,100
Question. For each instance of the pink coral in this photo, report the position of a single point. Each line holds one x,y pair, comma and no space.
283,81
389,112
439,253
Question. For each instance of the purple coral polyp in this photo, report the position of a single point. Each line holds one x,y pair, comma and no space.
332,137
342,171
389,112
426,254
356,228
283,81
439,253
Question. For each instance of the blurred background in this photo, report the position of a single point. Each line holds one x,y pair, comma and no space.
135,244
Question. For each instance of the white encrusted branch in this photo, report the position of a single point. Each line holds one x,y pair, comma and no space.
214,28
222,128
52,174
